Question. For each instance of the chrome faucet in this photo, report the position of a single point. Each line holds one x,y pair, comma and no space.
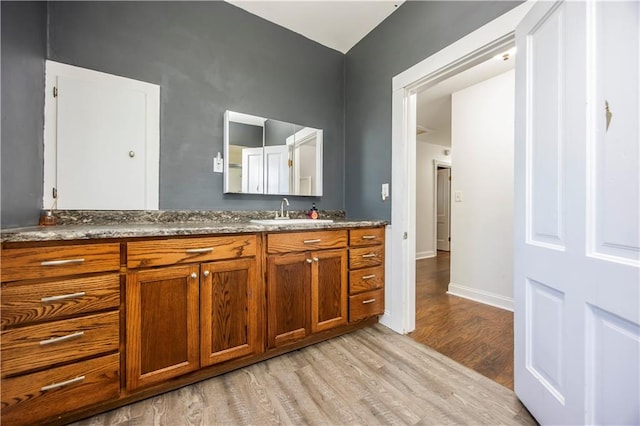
282,216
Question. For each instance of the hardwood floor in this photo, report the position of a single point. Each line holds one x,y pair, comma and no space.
371,376
474,334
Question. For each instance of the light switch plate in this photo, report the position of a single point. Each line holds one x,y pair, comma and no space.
217,165
458,196
385,191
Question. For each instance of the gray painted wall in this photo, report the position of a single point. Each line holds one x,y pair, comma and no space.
209,57
24,44
415,31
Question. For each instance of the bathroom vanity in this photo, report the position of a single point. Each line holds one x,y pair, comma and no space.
98,316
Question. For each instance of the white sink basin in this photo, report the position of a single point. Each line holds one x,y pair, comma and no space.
289,221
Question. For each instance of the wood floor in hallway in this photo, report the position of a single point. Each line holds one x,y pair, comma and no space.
476,335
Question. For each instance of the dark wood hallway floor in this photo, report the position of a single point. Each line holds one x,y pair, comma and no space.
476,335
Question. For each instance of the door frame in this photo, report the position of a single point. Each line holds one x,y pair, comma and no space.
488,40
443,165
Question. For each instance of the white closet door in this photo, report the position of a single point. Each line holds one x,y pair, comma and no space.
577,248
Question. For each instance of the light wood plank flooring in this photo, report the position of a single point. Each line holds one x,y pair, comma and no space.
369,377
476,335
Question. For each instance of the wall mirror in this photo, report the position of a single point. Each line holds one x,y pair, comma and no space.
267,156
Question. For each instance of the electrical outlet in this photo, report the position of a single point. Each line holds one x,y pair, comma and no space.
457,195
217,165
385,191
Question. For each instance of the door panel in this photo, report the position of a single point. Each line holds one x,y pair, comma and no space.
289,298
443,205
329,289
228,310
576,292
98,126
162,324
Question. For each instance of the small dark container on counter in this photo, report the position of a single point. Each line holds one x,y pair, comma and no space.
47,219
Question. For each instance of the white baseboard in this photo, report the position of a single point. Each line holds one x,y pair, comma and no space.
481,296
425,254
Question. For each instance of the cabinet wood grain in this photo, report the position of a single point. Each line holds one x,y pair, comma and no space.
142,254
365,305
366,257
43,345
24,401
366,279
46,262
306,241
32,302
228,310
366,237
328,289
162,324
288,298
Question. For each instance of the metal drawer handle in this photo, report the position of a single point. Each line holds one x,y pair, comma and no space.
200,250
368,237
308,260
62,297
365,302
368,277
61,384
369,255
62,338
315,259
61,262
312,241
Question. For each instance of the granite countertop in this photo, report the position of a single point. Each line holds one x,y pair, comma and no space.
96,225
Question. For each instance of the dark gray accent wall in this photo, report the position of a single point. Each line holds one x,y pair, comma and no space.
24,43
415,31
209,57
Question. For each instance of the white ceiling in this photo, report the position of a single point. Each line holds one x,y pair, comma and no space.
434,104
338,24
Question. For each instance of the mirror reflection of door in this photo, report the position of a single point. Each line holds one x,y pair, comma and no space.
251,171
443,210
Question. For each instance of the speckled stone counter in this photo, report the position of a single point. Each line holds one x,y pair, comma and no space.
85,225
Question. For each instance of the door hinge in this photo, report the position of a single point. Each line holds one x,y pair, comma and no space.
449,177
405,236
55,92
54,192
290,163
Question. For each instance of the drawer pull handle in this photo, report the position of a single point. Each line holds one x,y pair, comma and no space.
200,250
315,259
61,262
62,297
62,338
368,237
368,277
308,260
317,240
365,302
366,256
62,384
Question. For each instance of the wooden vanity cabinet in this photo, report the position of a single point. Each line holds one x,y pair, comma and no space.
306,284
60,333
196,306
366,273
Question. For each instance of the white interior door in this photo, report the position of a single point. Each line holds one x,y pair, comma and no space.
101,146
443,208
277,165
252,176
577,245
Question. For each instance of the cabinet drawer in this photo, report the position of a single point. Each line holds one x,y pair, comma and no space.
303,241
44,395
44,345
27,303
182,250
366,257
366,305
366,237
366,279
45,262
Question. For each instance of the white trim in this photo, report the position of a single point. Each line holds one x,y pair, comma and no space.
53,70
463,53
445,164
425,254
485,297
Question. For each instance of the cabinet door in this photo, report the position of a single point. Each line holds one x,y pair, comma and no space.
228,310
162,324
289,298
328,289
